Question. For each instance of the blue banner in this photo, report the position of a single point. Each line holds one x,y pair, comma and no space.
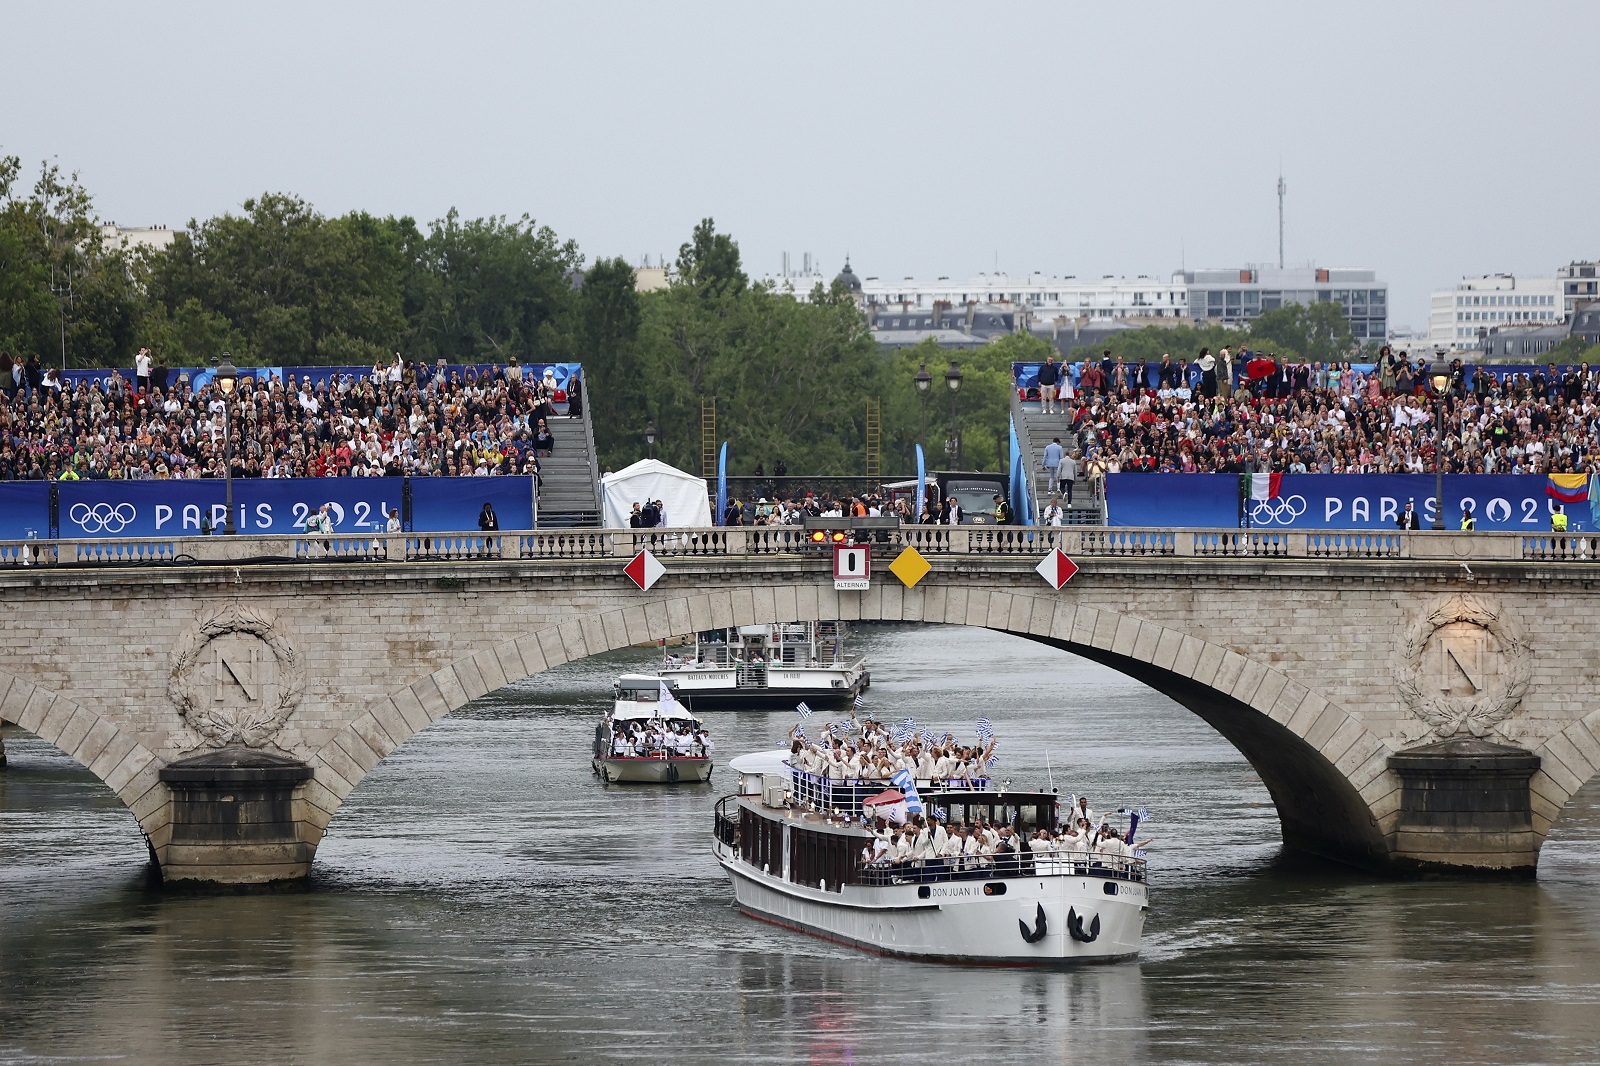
564,373
720,518
24,510
1375,501
1021,498
922,485
270,505
1205,500
1334,501
443,504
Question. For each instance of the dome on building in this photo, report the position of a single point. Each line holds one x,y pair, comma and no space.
847,277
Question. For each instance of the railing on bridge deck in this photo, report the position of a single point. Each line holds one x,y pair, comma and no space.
758,541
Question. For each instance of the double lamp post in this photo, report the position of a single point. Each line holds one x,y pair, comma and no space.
924,383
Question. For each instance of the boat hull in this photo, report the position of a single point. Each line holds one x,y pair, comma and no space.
958,921
653,771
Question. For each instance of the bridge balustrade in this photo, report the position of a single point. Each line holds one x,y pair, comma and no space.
1025,544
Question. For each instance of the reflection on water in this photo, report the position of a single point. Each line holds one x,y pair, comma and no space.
483,898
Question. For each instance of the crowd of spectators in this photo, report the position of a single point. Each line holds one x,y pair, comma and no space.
1250,413
401,419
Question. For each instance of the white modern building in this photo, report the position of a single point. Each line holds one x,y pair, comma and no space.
1235,296
135,238
1458,317
1580,283
1043,296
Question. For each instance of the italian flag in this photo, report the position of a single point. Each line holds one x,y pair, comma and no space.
1265,486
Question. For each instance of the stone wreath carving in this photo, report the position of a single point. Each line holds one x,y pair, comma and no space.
235,678
1464,668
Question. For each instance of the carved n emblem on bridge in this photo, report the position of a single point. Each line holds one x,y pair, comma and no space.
240,666
1467,659
235,679
1464,668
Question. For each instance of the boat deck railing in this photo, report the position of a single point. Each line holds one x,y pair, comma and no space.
846,795
1008,864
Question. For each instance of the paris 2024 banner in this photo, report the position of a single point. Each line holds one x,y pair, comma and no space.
1508,502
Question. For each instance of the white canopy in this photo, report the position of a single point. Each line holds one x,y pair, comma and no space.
682,495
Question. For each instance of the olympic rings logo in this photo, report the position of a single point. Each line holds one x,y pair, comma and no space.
102,517
1283,511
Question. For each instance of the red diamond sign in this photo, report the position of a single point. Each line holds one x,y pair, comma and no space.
644,570
1057,568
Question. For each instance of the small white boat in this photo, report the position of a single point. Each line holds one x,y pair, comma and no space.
648,740
768,667
796,854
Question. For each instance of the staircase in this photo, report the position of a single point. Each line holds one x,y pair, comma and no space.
569,494
1035,430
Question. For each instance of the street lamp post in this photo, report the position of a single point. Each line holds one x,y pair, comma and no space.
1439,378
952,378
227,378
650,437
924,382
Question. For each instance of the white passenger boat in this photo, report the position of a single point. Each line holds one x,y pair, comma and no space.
638,713
765,667
793,847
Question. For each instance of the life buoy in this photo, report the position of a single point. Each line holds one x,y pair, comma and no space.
1075,927
1040,926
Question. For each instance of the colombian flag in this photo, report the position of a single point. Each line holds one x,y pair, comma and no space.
1568,488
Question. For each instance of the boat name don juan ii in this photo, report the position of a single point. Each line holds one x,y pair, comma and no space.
933,869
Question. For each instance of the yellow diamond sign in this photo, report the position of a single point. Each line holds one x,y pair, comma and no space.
910,567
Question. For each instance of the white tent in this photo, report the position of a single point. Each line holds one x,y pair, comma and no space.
682,495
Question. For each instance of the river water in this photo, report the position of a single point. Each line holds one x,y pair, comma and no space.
481,898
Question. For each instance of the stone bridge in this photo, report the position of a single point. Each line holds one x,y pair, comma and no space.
1413,701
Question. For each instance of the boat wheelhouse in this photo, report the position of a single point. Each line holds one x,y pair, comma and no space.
799,855
765,667
646,740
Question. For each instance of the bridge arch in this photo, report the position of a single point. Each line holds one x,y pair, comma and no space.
104,746
1326,772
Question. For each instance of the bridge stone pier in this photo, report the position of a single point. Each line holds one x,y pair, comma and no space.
1414,702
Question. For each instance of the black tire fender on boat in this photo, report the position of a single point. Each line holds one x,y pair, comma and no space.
672,773
1075,927
1040,926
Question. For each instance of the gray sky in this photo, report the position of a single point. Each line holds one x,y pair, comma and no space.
1428,140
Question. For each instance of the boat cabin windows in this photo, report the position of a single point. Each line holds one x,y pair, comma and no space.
761,842
818,858
638,693
1034,812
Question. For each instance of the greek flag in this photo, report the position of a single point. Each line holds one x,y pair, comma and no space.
985,730
927,737
859,701
800,732
994,760
833,728
908,723
908,789
804,711
902,735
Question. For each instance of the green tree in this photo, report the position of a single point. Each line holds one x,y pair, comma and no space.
709,262
63,294
1314,333
300,288
489,289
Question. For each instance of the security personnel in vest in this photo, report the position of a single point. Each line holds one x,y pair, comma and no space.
1558,520
1468,523
1002,511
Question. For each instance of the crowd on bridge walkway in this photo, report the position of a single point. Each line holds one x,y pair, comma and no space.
402,419
1247,412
